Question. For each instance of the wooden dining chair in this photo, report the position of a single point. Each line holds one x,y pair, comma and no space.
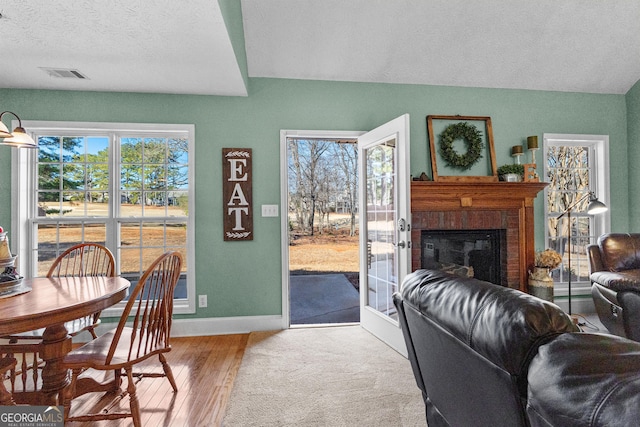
149,312
84,259
6,365
81,260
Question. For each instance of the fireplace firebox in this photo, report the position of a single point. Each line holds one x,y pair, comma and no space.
475,253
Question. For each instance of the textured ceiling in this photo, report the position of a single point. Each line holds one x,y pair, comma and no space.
560,45
167,46
124,45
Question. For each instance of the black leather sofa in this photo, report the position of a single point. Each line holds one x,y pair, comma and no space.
487,355
614,267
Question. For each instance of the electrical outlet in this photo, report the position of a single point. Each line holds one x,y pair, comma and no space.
202,301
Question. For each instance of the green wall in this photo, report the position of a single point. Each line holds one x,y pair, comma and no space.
244,278
633,126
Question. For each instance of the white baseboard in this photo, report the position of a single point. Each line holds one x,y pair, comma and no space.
212,326
225,325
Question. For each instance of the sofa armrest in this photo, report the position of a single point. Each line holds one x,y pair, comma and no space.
595,259
620,251
617,281
583,379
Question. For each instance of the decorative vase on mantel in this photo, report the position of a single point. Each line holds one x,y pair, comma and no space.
541,283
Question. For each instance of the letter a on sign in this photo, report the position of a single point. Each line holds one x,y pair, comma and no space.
237,203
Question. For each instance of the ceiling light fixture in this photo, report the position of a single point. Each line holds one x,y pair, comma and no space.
18,138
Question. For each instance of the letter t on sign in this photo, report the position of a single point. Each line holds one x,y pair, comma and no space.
236,194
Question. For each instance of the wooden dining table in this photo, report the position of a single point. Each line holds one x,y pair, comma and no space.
49,304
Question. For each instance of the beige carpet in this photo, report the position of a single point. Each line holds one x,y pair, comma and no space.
339,376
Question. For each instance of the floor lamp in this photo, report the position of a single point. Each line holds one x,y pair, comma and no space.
595,207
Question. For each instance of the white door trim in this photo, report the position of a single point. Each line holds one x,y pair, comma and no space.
284,202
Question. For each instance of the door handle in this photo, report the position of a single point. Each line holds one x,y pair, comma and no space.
402,227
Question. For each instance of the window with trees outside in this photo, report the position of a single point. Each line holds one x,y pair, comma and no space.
574,166
126,186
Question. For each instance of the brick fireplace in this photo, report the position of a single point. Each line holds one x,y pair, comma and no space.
504,206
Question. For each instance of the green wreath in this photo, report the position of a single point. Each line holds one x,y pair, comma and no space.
472,138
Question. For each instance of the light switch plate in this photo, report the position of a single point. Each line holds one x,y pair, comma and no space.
269,210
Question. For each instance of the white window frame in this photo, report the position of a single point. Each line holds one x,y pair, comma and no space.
24,181
600,178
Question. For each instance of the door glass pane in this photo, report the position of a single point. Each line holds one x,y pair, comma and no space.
381,227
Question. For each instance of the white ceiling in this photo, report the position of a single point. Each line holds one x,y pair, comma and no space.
166,46
163,46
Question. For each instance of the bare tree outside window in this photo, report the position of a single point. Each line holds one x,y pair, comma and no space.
569,170
347,159
322,181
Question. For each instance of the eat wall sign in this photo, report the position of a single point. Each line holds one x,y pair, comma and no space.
236,193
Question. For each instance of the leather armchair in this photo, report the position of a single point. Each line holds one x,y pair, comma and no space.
487,355
470,343
614,267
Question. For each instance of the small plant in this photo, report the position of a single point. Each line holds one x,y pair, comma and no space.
548,259
514,168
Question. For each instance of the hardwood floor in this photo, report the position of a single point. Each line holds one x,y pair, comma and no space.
204,369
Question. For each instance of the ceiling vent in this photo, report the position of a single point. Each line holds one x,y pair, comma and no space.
64,73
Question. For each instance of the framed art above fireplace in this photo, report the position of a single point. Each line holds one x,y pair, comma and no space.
461,149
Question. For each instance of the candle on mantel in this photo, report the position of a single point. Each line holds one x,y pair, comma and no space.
532,142
516,150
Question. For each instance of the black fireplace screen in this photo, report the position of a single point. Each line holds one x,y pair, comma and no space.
474,253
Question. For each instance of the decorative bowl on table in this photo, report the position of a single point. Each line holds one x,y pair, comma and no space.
8,262
10,280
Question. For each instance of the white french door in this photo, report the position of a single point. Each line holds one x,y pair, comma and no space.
385,238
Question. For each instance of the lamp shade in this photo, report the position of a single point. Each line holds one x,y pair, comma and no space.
4,131
596,207
18,138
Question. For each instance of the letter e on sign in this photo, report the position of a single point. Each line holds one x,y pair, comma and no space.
237,204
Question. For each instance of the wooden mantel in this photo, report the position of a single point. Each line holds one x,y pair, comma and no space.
474,205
